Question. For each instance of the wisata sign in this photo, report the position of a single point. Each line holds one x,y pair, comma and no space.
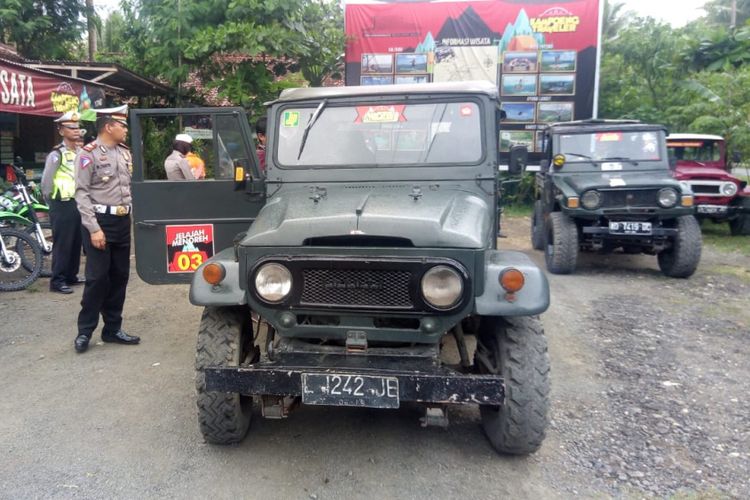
36,93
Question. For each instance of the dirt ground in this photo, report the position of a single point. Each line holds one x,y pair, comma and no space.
650,381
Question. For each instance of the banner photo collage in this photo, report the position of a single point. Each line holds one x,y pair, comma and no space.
541,55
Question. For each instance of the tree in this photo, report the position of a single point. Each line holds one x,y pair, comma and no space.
43,29
614,20
112,40
720,12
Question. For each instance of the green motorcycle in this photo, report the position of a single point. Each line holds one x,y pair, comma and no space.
20,208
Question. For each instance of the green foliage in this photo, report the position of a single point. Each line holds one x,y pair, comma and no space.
248,50
112,35
43,29
719,12
518,192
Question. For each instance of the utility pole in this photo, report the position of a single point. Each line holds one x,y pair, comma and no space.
90,15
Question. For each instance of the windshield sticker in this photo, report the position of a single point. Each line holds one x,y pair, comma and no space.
291,118
609,137
611,166
617,182
466,110
188,247
381,114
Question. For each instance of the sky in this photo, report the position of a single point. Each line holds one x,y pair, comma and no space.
676,13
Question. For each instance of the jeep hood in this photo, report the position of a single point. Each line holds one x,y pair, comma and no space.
685,172
620,180
442,217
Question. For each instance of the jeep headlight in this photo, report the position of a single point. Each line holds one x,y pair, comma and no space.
591,199
667,197
273,282
442,287
729,189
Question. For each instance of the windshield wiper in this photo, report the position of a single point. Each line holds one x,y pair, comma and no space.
434,136
619,158
312,121
580,155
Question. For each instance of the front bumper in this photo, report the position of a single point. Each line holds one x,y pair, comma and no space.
655,232
421,379
721,212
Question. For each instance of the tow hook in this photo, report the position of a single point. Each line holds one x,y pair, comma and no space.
435,416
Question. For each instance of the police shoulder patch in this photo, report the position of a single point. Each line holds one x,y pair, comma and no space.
85,161
90,146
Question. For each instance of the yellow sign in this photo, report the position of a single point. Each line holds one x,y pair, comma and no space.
291,118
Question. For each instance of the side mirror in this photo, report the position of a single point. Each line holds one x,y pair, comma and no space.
519,158
736,157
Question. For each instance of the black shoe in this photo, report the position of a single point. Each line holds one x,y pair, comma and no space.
120,338
78,281
81,343
61,289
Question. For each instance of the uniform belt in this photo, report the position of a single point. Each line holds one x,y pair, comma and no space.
121,210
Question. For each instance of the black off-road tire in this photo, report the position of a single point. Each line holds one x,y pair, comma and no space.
682,258
537,227
224,339
28,252
515,348
740,226
46,256
561,245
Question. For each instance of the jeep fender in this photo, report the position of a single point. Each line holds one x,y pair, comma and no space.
226,293
532,299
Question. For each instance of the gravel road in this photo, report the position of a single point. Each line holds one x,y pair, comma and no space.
650,382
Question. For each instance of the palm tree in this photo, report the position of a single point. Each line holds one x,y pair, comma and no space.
614,19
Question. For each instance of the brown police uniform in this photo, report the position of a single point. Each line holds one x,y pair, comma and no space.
177,167
104,201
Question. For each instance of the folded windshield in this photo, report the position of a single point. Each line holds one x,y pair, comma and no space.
612,145
380,134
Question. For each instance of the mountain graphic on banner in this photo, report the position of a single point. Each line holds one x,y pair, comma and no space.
427,45
468,25
520,35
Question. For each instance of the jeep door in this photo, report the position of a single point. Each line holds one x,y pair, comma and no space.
178,224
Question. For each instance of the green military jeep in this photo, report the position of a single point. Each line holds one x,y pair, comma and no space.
606,185
367,259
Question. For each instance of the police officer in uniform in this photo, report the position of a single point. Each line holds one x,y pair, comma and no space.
58,187
103,170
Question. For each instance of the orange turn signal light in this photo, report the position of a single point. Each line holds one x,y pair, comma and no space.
214,273
558,160
512,280
239,174
573,202
687,201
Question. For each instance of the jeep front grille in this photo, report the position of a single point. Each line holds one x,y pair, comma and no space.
360,284
370,288
706,188
626,198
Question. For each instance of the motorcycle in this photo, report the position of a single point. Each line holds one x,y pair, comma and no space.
20,260
20,208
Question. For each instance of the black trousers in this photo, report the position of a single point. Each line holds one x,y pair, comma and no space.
107,273
66,233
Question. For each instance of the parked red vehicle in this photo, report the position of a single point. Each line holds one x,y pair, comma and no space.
701,161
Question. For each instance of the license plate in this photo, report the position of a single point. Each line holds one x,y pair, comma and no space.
338,389
630,227
711,209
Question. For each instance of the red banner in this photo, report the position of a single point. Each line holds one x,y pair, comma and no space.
31,92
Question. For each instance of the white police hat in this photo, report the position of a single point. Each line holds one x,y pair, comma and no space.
184,138
70,116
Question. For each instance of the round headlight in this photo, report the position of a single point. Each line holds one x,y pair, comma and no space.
591,199
273,282
442,287
729,189
667,197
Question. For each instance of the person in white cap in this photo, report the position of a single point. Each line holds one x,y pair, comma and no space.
59,188
176,165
